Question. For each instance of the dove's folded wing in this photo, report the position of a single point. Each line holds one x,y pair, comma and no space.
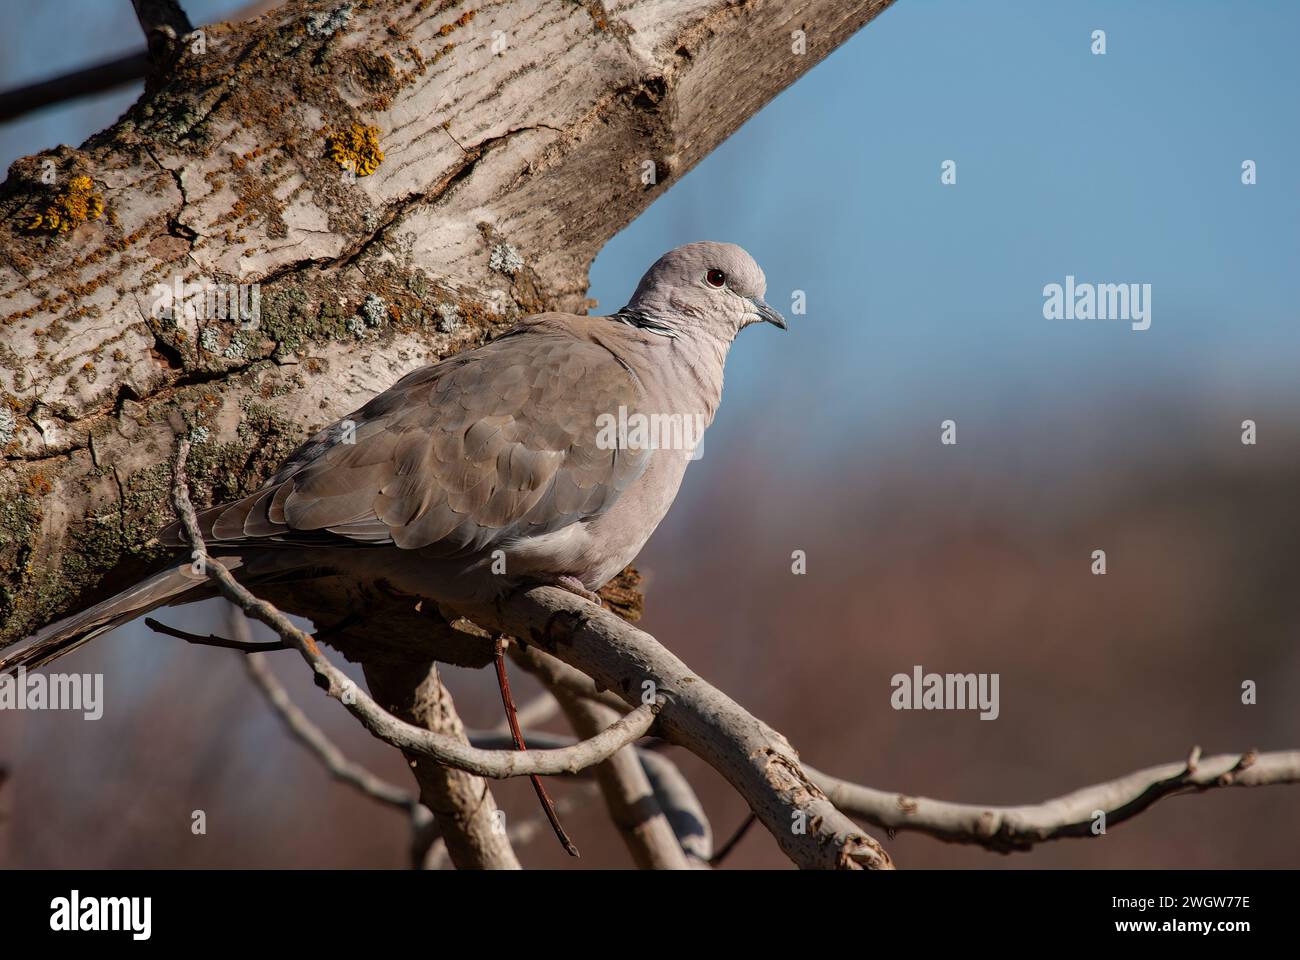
487,446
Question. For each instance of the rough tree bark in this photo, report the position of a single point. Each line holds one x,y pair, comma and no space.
515,138
462,806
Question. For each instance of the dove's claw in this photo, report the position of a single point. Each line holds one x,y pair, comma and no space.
574,586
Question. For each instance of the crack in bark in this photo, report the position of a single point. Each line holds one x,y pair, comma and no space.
174,226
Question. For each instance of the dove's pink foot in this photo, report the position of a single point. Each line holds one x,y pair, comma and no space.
574,586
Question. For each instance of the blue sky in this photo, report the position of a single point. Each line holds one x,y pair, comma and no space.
925,298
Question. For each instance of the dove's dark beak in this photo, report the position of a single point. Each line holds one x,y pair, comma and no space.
767,313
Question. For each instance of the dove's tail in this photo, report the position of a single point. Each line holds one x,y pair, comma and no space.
66,635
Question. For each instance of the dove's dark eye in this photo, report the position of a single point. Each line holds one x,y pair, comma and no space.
715,278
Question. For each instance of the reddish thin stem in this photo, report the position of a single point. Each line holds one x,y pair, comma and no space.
517,735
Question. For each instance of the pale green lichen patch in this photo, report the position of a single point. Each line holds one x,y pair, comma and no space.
8,425
125,534
324,23
506,258
374,310
293,317
388,298
173,118
448,317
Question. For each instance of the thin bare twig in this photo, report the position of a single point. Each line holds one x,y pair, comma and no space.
314,739
212,640
536,711
517,735
725,850
1077,814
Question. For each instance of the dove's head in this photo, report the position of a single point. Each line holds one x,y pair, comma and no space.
711,288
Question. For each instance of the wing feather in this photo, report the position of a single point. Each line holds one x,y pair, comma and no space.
461,455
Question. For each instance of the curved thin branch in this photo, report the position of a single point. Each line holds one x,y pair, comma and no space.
725,850
497,764
212,640
681,806
313,738
1007,829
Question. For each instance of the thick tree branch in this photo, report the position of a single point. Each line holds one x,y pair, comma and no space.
164,24
1007,829
465,812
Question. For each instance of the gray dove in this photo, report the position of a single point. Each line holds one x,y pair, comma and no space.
548,455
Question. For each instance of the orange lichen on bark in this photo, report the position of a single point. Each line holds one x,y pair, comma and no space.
73,207
461,21
356,149
38,485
